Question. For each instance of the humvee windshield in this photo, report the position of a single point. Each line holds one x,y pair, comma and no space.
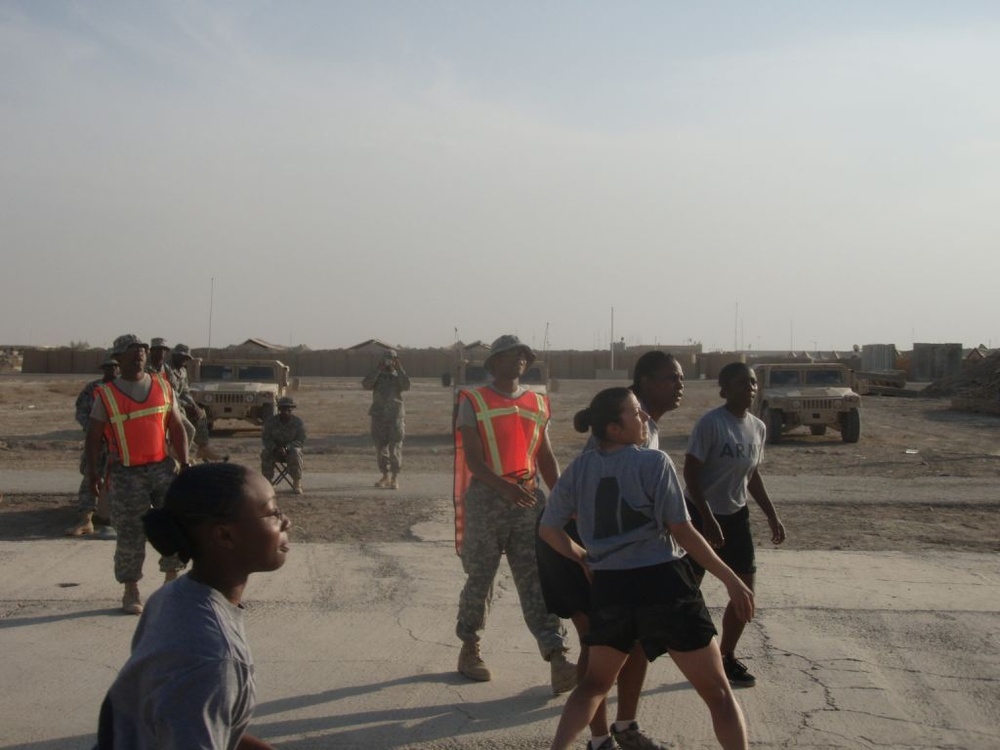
236,372
784,377
825,377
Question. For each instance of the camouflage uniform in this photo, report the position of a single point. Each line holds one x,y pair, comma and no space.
290,435
178,377
493,527
387,413
133,491
85,500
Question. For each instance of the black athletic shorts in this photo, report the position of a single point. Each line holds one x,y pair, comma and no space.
659,606
565,587
737,550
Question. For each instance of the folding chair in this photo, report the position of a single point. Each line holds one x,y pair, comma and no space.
281,474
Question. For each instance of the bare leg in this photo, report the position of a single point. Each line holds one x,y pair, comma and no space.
599,724
703,669
732,628
630,682
603,665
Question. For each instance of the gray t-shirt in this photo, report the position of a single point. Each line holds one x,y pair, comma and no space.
623,502
189,681
729,448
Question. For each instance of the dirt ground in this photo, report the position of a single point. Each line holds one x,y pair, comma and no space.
906,438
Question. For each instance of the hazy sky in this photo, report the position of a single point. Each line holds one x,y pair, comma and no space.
765,174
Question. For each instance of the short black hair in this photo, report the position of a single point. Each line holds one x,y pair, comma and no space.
732,371
648,365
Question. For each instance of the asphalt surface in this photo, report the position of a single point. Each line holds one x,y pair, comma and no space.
355,645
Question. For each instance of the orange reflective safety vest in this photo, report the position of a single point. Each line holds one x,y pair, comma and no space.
511,431
136,431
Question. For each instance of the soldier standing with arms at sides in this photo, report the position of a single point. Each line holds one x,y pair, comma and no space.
501,448
135,413
177,372
283,436
87,502
721,473
387,383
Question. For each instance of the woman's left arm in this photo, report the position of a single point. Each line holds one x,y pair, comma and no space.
755,485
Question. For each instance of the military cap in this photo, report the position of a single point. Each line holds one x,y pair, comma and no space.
109,362
506,343
286,402
158,343
125,341
182,350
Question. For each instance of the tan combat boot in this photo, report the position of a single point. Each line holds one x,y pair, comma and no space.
207,453
132,602
394,483
564,675
383,483
84,526
297,486
470,663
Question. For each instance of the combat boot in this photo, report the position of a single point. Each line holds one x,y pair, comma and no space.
297,486
383,483
394,483
470,663
84,526
207,453
132,602
564,675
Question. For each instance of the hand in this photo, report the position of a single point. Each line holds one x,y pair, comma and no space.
712,532
777,530
517,495
741,597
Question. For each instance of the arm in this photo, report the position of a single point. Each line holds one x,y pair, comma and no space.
92,450
476,462
548,464
562,543
710,528
758,492
369,380
300,434
739,594
84,403
402,378
177,433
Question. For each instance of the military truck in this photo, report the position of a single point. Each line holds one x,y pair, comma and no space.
468,375
816,395
241,389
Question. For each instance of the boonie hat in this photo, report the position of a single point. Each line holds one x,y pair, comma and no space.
109,362
506,343
125,341
183,350
286,402
158,343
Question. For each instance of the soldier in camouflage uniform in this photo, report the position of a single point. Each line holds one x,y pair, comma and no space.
87,502
283,436
136,411
195,416
503,443
387,383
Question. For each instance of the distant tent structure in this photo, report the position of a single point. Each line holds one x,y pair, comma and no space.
375,346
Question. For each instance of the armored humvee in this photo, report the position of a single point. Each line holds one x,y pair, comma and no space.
240,389
817,395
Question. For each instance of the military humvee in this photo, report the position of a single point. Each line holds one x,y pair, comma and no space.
241,389
817,395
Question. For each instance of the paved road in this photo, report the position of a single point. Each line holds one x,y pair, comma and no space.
355,649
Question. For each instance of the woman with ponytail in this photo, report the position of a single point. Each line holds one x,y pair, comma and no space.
633,523
189,681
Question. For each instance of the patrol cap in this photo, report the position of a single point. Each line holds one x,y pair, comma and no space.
109,362
506,343
125,341
158,343
286,402
182,350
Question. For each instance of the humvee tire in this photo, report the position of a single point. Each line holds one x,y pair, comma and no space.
773,421
850,429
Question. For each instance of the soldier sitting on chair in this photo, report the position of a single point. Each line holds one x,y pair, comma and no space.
284,435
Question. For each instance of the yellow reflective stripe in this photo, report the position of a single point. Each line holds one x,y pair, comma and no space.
116,419
483,416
